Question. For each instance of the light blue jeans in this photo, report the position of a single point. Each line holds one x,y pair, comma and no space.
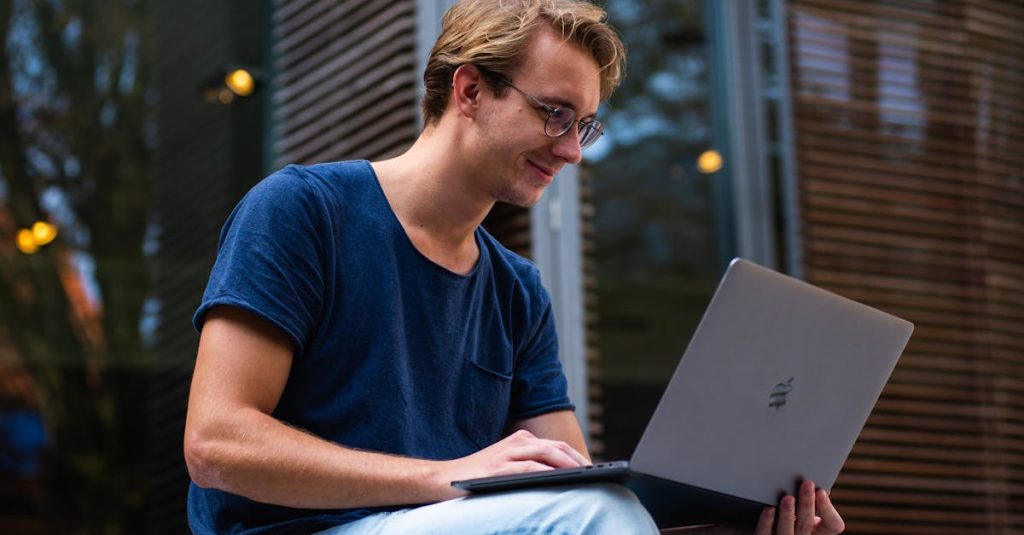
594,509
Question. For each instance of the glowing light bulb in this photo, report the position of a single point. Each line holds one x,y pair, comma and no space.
43,232
240,82
709,161
225,96
26,241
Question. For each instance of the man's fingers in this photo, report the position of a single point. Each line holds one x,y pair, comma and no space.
831,522
543,452
571,452
811,513
787,516
522,467
764,522
524,437
805,508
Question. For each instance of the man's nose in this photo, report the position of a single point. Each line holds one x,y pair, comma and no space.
567,146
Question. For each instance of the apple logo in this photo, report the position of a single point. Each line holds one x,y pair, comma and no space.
778,396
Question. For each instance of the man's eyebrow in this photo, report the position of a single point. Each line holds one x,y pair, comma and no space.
562,103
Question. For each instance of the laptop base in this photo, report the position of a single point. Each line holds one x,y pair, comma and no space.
670,503
674,504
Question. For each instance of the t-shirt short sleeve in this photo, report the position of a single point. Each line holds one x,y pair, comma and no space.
539,386
270,258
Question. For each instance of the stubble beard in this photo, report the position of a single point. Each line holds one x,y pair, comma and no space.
508,193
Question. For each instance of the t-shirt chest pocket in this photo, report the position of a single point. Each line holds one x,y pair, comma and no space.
486,392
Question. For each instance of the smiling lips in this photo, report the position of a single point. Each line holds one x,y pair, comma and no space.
547,174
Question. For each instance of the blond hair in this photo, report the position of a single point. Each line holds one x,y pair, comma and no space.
494,35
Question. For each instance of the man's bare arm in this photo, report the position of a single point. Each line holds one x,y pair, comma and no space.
232,442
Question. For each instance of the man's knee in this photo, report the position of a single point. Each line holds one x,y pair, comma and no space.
605,508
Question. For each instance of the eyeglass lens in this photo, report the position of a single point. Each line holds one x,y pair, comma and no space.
562,119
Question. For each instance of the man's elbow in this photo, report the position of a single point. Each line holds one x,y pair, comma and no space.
204,459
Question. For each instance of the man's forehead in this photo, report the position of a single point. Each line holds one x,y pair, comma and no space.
565,73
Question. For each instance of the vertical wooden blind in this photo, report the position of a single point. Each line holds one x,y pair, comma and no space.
909,128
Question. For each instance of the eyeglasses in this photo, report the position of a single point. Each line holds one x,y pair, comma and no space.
561,120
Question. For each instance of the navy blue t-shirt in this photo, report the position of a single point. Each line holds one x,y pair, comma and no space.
393,353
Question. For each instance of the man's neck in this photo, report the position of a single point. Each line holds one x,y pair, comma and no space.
437,199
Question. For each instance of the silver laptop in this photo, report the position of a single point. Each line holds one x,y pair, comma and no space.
774,388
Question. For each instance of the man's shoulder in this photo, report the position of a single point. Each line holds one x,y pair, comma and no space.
324,183
508,263
343,173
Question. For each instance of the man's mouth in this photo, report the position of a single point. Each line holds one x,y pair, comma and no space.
546,172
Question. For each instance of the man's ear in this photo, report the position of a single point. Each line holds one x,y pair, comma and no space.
467,86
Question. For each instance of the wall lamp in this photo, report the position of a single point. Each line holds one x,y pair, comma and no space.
234,82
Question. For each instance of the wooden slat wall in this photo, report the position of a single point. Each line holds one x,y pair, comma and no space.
511,226
206,156
909,128
345,81
595,393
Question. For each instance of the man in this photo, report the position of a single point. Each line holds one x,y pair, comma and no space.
364,342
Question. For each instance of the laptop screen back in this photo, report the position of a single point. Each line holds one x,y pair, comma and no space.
775,386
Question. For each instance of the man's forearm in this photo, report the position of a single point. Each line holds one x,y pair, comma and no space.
257,456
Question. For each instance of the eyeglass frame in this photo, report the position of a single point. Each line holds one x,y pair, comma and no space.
592,124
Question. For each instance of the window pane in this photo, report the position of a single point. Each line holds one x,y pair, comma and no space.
655,231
